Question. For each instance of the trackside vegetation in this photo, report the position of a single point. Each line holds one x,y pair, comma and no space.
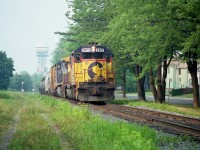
43,122
145,37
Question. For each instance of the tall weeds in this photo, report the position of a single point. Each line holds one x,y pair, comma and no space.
48,123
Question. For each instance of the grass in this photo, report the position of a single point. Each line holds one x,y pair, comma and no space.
150,94
85,131
47,123
10,103
185,96
33,130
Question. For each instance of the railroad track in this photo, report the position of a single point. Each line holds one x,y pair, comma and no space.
171,123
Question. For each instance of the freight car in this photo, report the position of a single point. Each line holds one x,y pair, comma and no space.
86,75
42,86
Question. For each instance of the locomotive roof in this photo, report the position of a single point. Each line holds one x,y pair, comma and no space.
101,48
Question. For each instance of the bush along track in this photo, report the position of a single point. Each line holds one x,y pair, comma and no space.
47,123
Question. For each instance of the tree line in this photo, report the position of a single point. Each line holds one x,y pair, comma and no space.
25,81
6,70
10,81
144,36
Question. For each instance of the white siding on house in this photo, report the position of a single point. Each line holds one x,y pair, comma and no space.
179,76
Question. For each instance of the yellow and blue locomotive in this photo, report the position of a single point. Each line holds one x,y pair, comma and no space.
86,75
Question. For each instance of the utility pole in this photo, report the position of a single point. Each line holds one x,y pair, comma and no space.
22,86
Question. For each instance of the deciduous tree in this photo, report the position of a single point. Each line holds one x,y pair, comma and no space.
17,79
6,70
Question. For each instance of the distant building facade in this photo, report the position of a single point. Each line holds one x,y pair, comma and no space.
178,75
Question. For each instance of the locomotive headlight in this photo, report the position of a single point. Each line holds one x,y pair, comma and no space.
93,48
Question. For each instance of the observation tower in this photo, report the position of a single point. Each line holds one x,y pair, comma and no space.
42,55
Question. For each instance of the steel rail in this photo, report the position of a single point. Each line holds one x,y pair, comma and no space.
133,116
158,113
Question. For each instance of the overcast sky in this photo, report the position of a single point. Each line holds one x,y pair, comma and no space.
23,23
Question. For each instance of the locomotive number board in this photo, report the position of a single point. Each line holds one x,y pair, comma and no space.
90,50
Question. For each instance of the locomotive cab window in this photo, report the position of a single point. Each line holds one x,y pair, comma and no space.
87,55
64,67
98,55
107,56
92,55
77,57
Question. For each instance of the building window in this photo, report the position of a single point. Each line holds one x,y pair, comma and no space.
168,69
190,82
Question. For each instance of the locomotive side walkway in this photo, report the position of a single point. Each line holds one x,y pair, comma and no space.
168,99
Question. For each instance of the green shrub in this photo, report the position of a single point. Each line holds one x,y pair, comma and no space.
175,92
186,90
181,91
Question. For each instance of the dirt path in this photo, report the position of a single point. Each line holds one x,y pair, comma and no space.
64,142
10,132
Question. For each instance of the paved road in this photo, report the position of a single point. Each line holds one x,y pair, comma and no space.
170,100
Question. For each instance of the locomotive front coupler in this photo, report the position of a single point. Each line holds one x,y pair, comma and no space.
96,91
